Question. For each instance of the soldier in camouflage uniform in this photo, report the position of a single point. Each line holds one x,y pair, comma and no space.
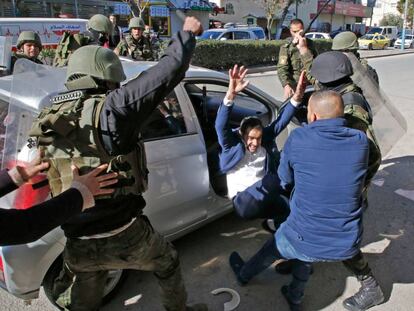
347,42
28,46
328,74
136,44
97,121
99,28
290,62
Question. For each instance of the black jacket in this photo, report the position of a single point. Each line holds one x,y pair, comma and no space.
24,226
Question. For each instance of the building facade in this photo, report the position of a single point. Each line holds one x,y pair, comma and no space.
164,16
339,14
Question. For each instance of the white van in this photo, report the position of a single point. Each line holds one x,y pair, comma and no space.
49,29
391,32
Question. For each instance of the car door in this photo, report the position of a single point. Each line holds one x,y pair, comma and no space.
241,35
206,96
178,174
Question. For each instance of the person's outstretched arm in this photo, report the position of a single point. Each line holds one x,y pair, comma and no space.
24,226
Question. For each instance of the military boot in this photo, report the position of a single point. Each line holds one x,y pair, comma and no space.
197,307
369,295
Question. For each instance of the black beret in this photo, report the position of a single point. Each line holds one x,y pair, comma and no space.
331,66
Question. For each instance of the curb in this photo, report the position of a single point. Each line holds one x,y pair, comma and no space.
260,69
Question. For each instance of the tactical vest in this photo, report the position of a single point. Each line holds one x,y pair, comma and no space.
138,49
359,116
68,132
69,43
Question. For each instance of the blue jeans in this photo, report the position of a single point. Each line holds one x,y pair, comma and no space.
267,255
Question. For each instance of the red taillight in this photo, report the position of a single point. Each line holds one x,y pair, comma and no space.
26,196
1,270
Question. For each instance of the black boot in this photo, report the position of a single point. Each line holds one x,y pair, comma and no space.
369,295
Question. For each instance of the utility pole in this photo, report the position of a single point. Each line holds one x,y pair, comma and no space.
76,9
14,8
404,25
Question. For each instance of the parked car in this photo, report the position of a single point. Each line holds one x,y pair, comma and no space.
408,42
390,32
186,189
234,33
375,41
318,35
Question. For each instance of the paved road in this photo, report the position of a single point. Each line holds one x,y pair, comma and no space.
388,235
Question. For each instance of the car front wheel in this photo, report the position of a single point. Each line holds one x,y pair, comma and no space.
112,285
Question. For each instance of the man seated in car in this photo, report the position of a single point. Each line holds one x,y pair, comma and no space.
249,155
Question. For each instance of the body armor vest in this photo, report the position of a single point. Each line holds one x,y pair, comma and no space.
139,49
68,132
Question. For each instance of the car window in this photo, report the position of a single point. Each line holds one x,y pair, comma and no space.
318,36
210,35
227,35
389,30
259,34
240,35
165,121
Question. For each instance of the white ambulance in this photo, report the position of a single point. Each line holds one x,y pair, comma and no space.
49,29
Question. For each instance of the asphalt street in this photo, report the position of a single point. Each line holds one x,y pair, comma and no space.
387,237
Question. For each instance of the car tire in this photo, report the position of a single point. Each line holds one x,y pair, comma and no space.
114,282
370,46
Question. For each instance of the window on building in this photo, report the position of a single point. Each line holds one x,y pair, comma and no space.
160,25
250,21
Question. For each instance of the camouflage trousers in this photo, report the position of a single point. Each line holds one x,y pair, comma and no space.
80,285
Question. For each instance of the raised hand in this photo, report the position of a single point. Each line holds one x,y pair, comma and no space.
301,87
237,82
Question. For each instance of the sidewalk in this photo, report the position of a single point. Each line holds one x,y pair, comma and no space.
363,53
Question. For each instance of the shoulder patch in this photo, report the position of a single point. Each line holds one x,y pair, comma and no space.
283,60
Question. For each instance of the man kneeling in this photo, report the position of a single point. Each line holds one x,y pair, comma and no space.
326,162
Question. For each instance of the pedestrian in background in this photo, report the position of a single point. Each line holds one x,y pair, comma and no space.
116,34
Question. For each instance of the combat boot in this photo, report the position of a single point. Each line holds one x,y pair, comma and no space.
369,295
197,307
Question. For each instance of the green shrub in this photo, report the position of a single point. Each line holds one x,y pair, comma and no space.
221,55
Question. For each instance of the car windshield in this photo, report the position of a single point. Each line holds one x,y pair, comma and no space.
368,37
407,37
210,35
374,30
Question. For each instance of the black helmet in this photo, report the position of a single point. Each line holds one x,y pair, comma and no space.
331,66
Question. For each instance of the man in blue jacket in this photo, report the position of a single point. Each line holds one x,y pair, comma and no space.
326,162
249,155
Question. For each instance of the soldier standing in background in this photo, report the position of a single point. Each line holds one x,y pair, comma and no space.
28,46
99,28
347,42
290,63
136,44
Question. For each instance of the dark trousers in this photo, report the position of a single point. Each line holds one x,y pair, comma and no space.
301,270
265,257
263,199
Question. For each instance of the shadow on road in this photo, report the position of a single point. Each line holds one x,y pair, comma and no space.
387,243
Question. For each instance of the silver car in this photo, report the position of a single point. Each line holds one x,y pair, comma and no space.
186,189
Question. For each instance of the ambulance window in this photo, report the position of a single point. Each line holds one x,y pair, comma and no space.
165,121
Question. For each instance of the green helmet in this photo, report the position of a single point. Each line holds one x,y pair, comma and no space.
90,62
346,40
100,23
136,22
29,37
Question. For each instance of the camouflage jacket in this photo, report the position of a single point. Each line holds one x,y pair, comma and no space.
291,63
69,43
138,49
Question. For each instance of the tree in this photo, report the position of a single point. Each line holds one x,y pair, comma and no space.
391,19
270,7
410,11
137,6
